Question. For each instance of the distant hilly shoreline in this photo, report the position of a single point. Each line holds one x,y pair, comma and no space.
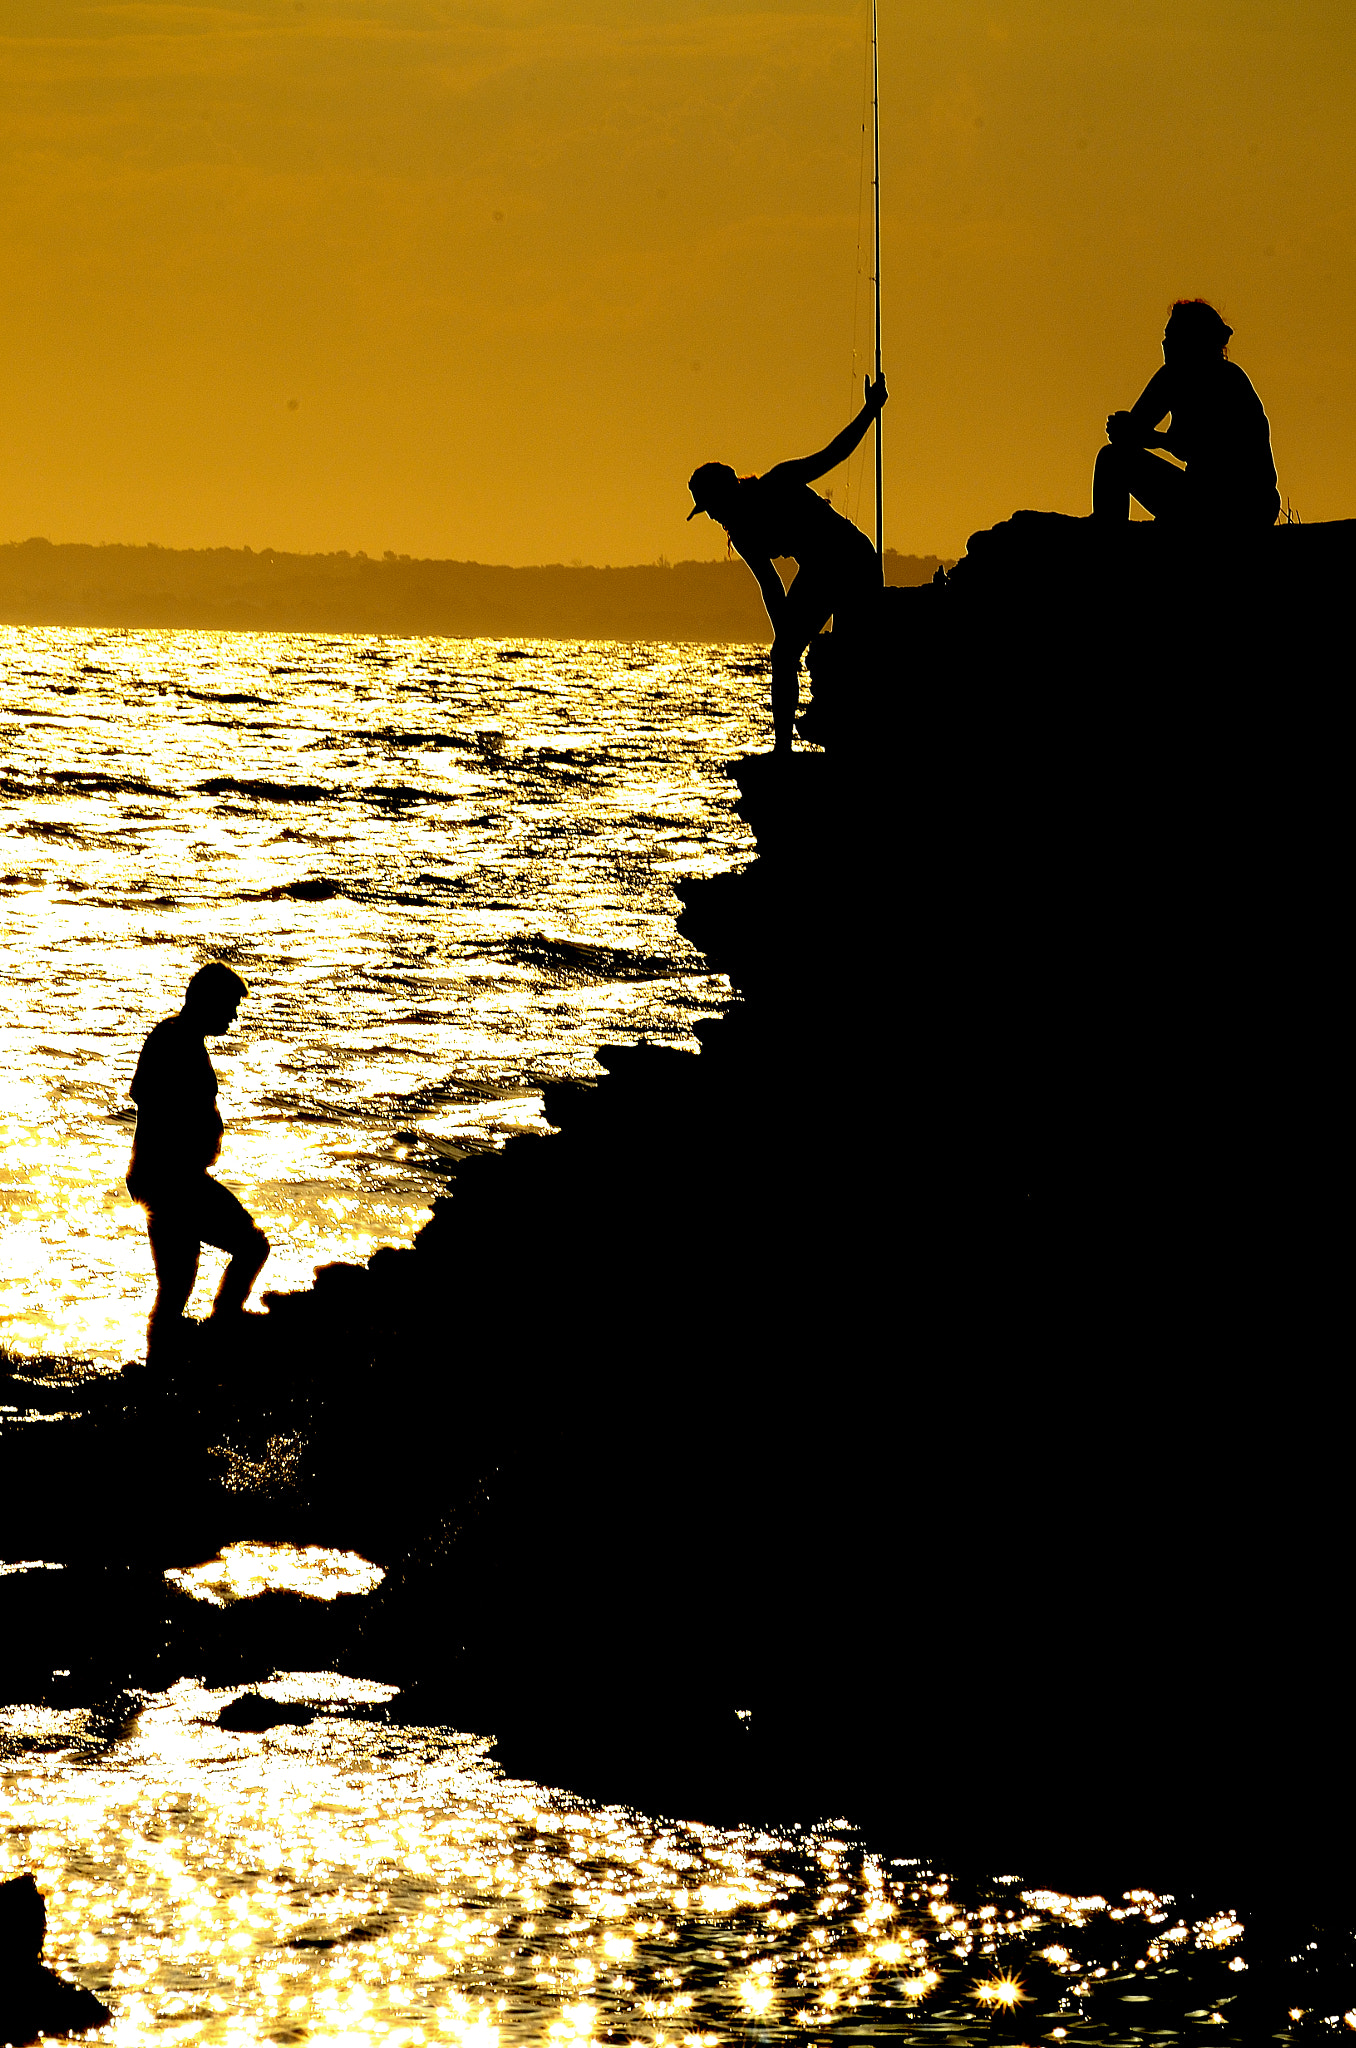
239,590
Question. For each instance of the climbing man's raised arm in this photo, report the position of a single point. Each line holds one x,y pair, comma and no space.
808,468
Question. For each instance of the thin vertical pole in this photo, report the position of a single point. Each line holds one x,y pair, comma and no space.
880,451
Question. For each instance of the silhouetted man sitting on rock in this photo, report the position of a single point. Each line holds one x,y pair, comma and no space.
838,570
1218,430
178,1137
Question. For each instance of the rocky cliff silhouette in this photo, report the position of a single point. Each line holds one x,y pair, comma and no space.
922,1403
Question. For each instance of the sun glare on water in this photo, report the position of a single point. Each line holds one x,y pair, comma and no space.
353,1880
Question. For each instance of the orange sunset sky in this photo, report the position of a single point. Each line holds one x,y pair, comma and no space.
487,280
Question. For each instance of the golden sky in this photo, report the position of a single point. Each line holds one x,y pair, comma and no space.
488,280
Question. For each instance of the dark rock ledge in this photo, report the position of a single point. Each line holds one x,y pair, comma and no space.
33,1999
922,1404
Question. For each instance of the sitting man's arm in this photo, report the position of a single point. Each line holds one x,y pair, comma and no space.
1136,427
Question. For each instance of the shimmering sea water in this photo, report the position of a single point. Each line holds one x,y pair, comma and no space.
445,868
355,1882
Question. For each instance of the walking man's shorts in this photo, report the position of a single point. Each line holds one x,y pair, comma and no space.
186,1213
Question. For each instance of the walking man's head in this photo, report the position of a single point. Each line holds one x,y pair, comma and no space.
213,997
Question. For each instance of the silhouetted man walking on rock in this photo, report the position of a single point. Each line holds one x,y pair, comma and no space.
178,1137
839,572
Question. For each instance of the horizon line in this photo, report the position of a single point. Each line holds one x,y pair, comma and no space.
389,556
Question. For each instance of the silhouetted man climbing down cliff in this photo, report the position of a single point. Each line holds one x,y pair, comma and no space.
178,1137
1218,430
838,570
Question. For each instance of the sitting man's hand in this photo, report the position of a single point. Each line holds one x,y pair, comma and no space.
1120,427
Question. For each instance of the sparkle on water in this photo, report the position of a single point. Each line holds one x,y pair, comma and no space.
356,1881
447,876
244,1569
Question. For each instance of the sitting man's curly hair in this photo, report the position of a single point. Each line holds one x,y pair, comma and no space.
1198,319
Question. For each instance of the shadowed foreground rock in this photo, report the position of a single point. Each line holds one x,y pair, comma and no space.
922,1404
33,1999
249,1713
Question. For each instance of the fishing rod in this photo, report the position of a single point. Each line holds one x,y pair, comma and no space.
875,183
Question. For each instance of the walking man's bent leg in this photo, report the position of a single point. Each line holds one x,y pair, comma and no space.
240,1275
226,1222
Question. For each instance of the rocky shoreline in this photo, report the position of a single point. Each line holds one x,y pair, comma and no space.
920,1404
